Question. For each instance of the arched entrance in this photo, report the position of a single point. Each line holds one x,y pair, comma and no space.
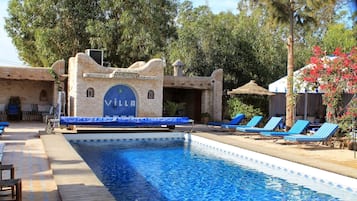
120,100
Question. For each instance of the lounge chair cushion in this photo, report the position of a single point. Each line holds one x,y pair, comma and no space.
297,128
322,134
235,121
4,123
253,122
269,126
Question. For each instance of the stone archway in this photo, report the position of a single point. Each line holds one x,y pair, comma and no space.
120,100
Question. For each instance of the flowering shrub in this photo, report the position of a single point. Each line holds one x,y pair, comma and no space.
335,76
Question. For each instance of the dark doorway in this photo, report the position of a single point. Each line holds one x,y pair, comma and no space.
191,98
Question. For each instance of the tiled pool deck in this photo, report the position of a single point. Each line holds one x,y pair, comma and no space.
68,178
24,149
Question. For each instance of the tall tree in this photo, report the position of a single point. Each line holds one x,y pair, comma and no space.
338,36
295,12
133,30
44,31
240,44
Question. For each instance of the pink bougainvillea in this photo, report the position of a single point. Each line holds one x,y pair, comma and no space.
335,76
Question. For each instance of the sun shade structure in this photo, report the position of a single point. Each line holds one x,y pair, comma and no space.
251,88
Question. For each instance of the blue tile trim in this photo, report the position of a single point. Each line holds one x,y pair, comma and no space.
274,167
124,140
235,154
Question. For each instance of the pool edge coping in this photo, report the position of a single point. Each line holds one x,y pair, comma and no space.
101,136
73,177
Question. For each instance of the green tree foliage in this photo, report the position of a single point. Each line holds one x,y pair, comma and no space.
236,106
133,30
266,44
44,31
246,45
299,13
194,39
338,35
239,44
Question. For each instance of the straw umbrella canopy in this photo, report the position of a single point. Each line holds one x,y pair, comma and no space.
251,88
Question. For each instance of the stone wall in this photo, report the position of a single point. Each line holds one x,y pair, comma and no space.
211,90
141,77
36,97
84,73
35,86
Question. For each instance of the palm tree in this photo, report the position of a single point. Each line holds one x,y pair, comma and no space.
291,12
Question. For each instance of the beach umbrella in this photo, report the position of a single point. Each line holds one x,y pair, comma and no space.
251,88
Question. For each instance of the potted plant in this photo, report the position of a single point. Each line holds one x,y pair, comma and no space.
351,142
205,117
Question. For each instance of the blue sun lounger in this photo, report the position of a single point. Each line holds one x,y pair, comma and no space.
4,123
253,122
125,121
322,134
235,121
297,128
269,126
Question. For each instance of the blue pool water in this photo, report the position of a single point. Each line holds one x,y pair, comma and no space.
173,170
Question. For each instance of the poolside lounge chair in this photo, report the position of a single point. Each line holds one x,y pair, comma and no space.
297,128
235,121
2,128
269,126
4,123
253,122
322,134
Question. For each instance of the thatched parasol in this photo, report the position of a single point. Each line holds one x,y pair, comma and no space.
251,88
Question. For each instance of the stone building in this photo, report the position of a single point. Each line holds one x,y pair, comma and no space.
94,90
34,88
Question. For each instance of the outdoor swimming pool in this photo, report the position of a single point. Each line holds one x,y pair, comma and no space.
187,167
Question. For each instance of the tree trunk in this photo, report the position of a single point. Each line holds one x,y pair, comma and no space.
290,102
290,84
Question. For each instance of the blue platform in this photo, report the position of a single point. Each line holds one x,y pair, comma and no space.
125,121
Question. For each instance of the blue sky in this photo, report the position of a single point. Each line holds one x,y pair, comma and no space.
218,5
8,53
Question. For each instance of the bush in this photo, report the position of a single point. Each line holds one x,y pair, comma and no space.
235,106
172,108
